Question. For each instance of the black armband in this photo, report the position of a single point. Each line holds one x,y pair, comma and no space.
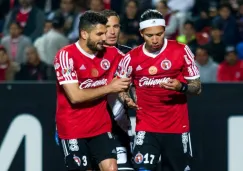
184,87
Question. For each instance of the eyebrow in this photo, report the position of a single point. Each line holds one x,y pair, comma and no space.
113,25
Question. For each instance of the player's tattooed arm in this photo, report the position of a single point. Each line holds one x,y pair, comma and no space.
194,86
191,87
125,98
133,93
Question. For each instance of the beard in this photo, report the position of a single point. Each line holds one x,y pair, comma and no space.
95,46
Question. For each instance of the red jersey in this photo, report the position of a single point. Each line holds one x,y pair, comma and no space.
74,65
162,111
228,73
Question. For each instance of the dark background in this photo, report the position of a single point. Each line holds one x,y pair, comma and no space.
209,114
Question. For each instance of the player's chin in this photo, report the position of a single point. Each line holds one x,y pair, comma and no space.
100,47
111,42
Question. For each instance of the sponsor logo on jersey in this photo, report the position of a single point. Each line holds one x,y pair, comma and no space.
94,72
105,64
139,68
89,83
166,64
187,168
152,70
150,82
82,67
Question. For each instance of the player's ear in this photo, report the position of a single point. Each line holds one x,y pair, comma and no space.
141,33
84,34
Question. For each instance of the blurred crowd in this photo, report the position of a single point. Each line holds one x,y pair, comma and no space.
32,31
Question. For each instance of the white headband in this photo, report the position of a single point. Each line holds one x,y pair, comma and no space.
151,23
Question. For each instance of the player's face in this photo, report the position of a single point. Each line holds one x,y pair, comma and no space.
96,38
153,37
113,30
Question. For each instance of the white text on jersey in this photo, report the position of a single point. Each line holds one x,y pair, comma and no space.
147,82
89,83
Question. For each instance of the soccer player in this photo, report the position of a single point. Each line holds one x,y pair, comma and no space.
85,72
121,127
163,72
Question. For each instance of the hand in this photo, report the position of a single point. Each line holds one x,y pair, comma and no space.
131,104
172,84
119,84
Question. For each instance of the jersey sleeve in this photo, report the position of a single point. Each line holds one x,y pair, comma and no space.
64,67
190,70
124,69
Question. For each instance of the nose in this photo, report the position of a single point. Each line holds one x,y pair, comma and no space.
112,30
154,40
103,37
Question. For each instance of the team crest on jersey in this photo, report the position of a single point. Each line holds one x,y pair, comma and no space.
138,158
94,72
153,70
105,64
77,160
166,64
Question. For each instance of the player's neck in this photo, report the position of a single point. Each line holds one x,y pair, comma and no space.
85,48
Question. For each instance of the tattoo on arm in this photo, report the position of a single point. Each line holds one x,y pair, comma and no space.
194,86
133,93
123,95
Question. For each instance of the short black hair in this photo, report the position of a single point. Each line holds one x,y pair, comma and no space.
190,23
89,19
134,1
109,13
58,21
17,24
203,47
151,14
225,5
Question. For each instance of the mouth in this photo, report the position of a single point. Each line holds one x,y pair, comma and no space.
155,46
